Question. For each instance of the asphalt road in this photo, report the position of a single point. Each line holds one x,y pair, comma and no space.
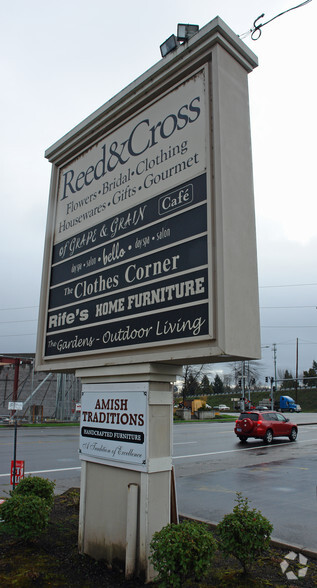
48,452
211,465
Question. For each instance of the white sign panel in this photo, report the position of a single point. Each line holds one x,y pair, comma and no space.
15,406
165,145
113,425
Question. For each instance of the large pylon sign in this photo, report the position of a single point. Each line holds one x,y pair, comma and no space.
150,262
150,244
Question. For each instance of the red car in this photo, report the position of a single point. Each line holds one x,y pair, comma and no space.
264,425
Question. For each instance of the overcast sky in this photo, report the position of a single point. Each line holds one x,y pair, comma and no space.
60,61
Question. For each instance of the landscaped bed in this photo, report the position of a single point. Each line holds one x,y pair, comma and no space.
53,560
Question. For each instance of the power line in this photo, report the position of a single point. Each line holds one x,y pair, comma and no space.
24,321
275,286
18,335
262,326
289,285
261,307
18,308
256,31
288,326
288,342
286,307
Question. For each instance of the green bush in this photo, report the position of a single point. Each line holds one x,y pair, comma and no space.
40,487
180,552
245,533
24,517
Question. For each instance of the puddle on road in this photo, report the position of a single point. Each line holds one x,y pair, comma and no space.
284,489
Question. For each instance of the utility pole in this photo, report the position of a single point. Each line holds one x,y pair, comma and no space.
296,371
272,393
243,386
16,362
248,381
274,360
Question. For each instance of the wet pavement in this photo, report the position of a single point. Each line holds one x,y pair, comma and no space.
280,480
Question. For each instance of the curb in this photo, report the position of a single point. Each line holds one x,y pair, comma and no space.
305,424
274,542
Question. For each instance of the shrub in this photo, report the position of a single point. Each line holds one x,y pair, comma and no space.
205,408
37,486
24,516
245,533
179,552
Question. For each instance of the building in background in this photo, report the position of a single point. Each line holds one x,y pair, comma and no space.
45,396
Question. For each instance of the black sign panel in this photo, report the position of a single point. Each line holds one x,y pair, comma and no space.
174,260
135,218
165,293
113,435
172,230
172,325
137,279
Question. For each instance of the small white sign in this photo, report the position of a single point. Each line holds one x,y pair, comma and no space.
15,406
113,425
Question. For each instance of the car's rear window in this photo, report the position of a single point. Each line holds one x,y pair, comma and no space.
249,415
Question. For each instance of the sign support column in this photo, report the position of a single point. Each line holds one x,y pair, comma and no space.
111,465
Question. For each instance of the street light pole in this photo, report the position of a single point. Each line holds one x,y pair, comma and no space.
296,372
274,359
14,450
242,386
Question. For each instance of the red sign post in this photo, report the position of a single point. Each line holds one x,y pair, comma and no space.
19,472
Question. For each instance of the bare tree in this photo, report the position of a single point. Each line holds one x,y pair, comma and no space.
192,376
252,372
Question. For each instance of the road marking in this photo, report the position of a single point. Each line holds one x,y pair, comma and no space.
35,442
186,443
46,471
238,450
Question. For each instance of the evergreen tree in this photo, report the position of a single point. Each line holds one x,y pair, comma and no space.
218,385
310,376
192,385
288,381
205,386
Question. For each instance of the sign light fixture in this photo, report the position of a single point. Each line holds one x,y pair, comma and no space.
186,31
169,45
